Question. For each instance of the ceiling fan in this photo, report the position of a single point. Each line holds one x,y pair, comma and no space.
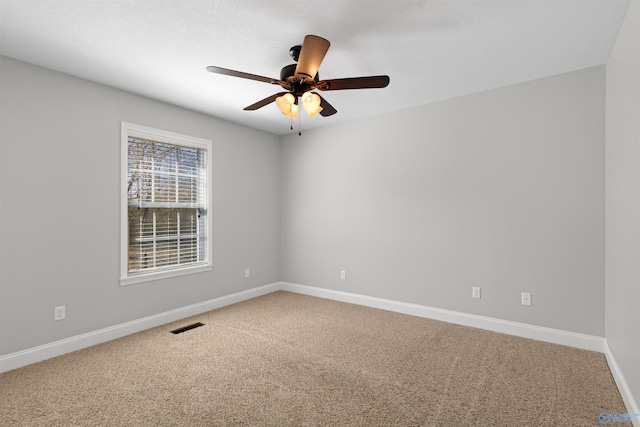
299,80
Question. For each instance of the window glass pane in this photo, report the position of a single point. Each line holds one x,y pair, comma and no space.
164,188
166,200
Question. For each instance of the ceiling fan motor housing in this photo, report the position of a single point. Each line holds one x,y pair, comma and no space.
288,74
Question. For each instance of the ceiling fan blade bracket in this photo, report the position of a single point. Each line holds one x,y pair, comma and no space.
284,85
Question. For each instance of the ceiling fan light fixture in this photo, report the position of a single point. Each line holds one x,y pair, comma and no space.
294,112
311,103
314,112
285,103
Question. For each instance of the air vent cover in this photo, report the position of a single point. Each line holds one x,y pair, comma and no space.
187,328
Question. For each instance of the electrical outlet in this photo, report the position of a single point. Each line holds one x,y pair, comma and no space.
475,292
526,298
59,313
343,275
247,273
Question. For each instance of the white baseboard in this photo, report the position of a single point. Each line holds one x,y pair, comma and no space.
57,348
623,387
78,342
555,336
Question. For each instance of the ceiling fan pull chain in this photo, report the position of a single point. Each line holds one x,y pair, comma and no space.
299,125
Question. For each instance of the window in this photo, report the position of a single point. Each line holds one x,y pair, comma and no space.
166,207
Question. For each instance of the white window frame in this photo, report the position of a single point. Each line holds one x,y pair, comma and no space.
127,130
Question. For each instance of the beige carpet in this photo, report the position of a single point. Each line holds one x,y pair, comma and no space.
292,360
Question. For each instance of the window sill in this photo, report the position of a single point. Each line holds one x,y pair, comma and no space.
147,277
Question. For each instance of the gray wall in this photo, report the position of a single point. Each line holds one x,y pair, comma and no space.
503,189
60,213
623,200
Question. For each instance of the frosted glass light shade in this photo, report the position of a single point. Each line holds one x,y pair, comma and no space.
311,103
286,104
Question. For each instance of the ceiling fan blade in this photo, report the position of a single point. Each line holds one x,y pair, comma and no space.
327,109
370,82
314,48
233,73
268,100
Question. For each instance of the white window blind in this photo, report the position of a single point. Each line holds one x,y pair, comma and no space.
166,198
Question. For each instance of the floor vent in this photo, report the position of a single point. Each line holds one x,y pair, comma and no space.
187,328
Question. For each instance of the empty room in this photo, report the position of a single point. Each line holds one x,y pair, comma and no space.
446,233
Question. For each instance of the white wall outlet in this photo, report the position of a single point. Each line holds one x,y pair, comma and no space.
526,298
475,292
59,313
343,275
247,273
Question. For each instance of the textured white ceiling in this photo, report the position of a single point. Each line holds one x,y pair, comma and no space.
432,50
